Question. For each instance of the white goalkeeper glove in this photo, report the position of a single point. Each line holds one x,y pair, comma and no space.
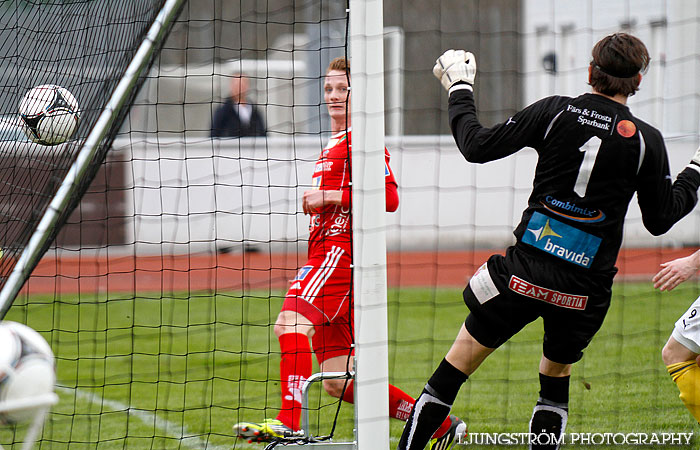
696,158
455,66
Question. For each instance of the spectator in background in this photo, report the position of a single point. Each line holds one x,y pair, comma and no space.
236,117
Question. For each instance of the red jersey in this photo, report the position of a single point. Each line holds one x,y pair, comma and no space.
333,225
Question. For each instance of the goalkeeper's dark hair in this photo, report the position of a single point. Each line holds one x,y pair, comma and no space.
340,63
618,59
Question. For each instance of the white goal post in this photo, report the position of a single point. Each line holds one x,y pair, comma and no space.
369,237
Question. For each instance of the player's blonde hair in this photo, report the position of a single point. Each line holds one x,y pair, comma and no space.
618,59
340,63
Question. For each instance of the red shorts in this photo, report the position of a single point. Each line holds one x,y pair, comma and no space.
321,292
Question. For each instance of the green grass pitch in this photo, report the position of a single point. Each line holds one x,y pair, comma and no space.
178,372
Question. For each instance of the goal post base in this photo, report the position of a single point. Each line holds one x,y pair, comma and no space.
328,446
320,376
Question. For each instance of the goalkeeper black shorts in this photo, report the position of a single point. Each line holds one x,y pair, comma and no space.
508,292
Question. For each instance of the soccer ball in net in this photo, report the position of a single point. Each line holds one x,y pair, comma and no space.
49,114
27,372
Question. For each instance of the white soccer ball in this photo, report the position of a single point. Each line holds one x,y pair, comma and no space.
27,370
49,114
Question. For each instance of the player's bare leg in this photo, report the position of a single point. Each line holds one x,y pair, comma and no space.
293,322
675,352
434,403
682,365
466,354
336,388
551,412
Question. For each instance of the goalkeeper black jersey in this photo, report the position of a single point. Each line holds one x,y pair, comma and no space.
593,154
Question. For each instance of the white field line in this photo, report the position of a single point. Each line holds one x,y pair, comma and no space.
179,432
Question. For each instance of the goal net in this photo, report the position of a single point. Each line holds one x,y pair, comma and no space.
65,45
160,291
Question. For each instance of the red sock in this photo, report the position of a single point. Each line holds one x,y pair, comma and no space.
400,405
295,368
349,395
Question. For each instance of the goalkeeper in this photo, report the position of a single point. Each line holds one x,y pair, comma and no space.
681,352
318,304
593,155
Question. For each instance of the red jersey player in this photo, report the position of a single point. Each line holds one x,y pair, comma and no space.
318,304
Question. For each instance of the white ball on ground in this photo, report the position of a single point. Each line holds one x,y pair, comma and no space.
27,370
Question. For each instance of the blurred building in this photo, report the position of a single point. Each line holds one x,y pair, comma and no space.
558,37
285,47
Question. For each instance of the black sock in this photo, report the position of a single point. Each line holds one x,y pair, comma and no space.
432,406
551,413
554,390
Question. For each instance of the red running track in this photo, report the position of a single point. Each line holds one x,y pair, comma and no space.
261,271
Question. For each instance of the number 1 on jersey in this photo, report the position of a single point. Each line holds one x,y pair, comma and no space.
590,150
